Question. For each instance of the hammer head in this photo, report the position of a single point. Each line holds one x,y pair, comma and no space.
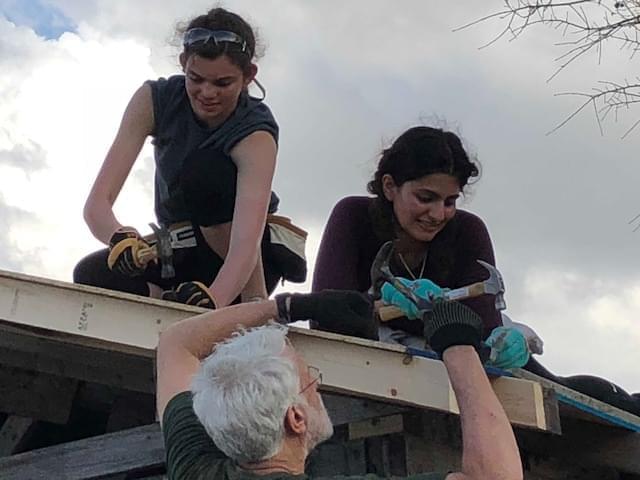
380,273
380,268
165,250
494,285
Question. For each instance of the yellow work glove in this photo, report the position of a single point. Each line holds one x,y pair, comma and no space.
124,246
190,293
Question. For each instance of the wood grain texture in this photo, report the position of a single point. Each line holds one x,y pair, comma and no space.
582,406
104,320
380,372
91,458
376,427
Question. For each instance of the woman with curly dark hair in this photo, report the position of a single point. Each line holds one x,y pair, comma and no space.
419,179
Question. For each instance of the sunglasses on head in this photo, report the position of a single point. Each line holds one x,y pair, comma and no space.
203,35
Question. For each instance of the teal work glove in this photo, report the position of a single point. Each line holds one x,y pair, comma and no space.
422,288
509,348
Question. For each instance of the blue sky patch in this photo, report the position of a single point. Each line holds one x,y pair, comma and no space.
41,16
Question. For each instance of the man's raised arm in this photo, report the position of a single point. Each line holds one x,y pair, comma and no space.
489,448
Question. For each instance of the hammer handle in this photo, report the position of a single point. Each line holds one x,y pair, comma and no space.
473,290
387,312
146,255
391,312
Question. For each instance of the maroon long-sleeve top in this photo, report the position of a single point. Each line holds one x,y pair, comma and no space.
350,243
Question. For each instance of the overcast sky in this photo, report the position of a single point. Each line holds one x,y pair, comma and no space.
343,79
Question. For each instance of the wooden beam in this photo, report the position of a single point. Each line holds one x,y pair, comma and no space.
94,316
91,458
433,435
376,427
36,395
587,444
345,409
36,350
14,430
138,448
385,372
103,319
579,405
593,444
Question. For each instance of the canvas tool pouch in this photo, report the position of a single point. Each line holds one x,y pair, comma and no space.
285,247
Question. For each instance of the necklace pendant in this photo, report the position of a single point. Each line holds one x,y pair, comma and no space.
409,271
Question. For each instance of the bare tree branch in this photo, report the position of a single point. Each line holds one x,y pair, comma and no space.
587,25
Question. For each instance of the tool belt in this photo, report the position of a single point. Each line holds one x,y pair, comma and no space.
283,245
285,248
182,236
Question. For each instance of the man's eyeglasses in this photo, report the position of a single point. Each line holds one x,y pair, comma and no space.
316,378
204,35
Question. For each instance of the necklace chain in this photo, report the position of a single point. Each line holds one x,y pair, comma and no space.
409,271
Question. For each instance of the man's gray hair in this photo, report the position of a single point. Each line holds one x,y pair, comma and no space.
242,391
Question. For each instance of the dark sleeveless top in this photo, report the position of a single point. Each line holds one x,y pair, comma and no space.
178,133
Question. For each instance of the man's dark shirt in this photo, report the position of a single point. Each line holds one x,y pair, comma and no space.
192,455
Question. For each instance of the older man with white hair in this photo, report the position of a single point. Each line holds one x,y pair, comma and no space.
238,402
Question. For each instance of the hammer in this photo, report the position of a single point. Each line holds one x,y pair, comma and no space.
381,273
493,285
162,250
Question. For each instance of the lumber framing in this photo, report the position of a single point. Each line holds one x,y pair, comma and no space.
143,447
36,395
128,324
94,457
385,372
13,432
431,442
40,351
578,405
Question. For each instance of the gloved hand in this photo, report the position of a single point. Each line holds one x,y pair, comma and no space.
422,287
534,342
124,245
191,293
338,311
509,348
452,323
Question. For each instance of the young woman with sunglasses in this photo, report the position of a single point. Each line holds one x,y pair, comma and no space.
215,153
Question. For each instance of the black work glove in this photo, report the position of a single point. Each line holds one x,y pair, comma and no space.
124,245
337,311
190,293
452,323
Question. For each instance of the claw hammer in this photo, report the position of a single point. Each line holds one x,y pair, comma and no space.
162,250
493,285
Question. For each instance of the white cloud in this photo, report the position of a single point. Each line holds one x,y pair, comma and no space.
59,114
590,325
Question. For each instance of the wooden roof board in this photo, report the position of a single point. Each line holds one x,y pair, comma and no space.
128,324
579,405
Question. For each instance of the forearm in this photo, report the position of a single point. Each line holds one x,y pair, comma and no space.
183,345
489,446
197,335
100,220
137,123
238,266
255,287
